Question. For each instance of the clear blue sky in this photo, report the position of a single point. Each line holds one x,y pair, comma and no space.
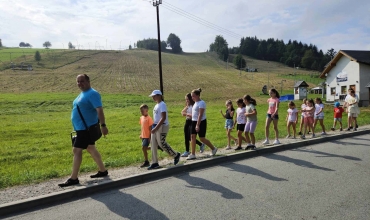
338,24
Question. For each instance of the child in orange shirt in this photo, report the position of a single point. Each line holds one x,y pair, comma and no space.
337,116
146,123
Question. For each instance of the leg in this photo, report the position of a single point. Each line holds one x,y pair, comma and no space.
193,143
335,123
247,137
253,139
294,129
145,152
165,146
240,138
314,125
228,136
187,135
349,121
198,142
288,127
275,122
267,127
77,159
322,125
301,125
96,156
206,142
154,143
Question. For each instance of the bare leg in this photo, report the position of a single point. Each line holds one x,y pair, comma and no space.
301,125
247,137
77,159
288,127
322,125
253,139
206,142
96,156
294,129
145,152
276,129
267,127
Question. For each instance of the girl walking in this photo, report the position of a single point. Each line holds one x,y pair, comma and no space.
251,124
229,123
272,116
199,124
292,119
240,121
319,115
353,110
309,112
304,104
160,130
186,112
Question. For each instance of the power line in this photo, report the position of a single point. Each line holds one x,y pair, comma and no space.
200,19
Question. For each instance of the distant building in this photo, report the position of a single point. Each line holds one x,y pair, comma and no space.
300,90
348,69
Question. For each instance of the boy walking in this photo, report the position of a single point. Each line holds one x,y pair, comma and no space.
146,123
337,116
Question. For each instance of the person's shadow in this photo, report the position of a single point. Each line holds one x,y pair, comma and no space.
200,183
297,162
324,154
252,171
128,206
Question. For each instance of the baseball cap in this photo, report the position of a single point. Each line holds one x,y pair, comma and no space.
337,104
155,92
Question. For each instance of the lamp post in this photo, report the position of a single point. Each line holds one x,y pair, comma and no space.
156,4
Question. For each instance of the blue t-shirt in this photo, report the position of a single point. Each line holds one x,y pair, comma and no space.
88,101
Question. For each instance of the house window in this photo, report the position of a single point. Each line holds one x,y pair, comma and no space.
343,90
332,90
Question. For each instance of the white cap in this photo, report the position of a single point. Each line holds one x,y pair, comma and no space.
155,92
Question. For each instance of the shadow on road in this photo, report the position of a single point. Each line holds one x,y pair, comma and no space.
250,170
128,206
297,162
324,154
200,183
360,139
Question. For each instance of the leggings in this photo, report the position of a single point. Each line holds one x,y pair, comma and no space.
187,134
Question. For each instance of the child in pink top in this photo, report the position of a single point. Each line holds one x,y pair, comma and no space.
309,112
292,118
272,116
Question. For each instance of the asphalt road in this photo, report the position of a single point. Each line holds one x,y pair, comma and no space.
325,181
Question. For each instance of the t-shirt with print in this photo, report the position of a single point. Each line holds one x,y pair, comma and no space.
318,107
303,106
146,122
292,115
249,109
338,112
240,119
273,102
88,101
195,111
157,112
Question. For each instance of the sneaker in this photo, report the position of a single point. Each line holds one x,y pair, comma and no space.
313,136
250,147
145,164
356,125
100,174
300,133
239,148
355,129
228,148
333,129
266,141
202,148
276,142
288,136
236,142
154,166
323,133
185,154
69,182
191,157
303,137
177,158
293,137
348,129
341,129
214,151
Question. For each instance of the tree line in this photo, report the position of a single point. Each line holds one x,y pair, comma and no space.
292,53
173,41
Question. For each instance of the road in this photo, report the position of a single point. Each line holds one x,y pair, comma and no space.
325,181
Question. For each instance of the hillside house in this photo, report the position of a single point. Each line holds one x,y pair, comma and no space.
348,69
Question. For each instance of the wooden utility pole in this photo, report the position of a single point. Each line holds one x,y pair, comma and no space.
156,4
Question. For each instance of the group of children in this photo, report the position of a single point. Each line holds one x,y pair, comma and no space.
154,132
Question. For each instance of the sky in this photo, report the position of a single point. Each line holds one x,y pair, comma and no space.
115,24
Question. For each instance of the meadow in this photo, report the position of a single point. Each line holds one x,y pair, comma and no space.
35,108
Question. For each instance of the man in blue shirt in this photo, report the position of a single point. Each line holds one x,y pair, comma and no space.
90,104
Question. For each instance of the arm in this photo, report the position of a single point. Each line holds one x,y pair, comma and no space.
321,109
163,118
276,109
183,112
223,115
104,130
201,111
296,117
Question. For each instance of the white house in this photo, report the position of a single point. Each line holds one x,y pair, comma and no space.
300,90
348,69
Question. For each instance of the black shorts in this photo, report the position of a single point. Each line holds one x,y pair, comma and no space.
240,127
202,128
82,140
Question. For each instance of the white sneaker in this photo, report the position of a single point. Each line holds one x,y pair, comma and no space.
323,133
288,136
228,148
266,141
202,148
249,144
276,142
214,151
191,157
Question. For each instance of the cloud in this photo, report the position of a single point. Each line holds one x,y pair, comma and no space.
114,23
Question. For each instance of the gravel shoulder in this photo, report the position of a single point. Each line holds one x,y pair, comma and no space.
17,193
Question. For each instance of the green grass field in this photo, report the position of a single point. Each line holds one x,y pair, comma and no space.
35,108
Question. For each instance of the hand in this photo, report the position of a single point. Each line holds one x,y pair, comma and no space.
104,130
140,136
197,128
154,130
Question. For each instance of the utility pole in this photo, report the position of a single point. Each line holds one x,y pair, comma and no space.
156,4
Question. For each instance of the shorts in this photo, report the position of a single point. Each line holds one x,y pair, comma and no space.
240,127
250,126
229,123
83,140
308,120
145,142
317,117
202,128
276,117
353,115
338,119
